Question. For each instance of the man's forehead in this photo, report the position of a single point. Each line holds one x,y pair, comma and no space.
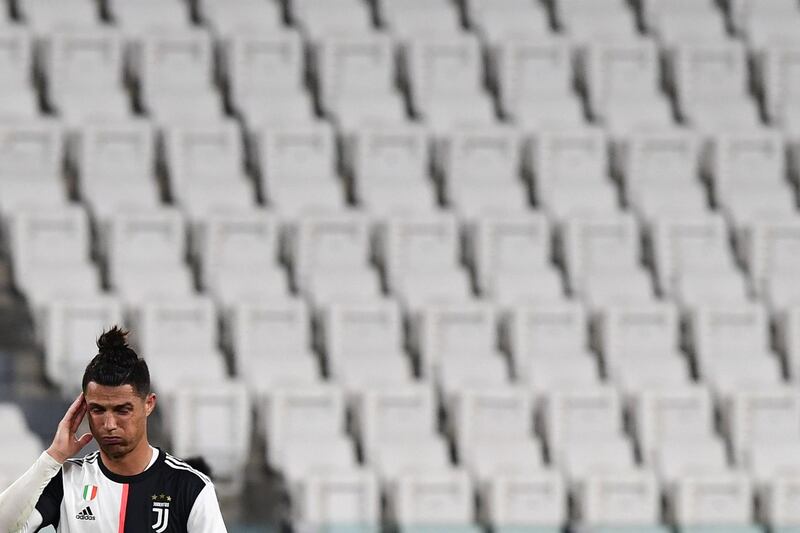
105,395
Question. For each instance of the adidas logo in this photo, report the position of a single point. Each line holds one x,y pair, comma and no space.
86,514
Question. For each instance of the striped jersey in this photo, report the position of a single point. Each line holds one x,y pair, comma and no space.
168,497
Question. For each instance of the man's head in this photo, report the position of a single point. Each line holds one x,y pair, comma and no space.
116,387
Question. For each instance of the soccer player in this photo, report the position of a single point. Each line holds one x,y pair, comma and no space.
127,486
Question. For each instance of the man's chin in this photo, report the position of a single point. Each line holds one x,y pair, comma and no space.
115,451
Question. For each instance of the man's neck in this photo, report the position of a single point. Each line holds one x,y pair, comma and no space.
133,463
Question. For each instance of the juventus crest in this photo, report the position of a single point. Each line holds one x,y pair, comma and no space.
160,514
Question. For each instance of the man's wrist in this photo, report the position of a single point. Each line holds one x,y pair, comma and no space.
56,456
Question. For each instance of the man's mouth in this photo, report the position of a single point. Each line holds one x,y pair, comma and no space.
111,440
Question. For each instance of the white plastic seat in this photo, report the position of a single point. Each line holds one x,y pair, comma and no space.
297,168
496,20
748,170
43,17
364,345
480,170
587,21
265,77
271,345
641,347
731,346
787,337
661,172
628,498
50,255
722,499
534,82
349,500
777,501
356,76
69,330
115,162
711,87
445,79
178,337
17,95
492,430
623,86
330,258
602,259
768,461
148,17
673,22
389,166
420,259
511,256
175,74
779,68
31,165
84,72
144,252
333,17
226,449
238,256
770,250
418,18
765,23
397,430
227,19
295,420
535,499
761,417
569,168
693,260
205,164
17,455
434,499
674,460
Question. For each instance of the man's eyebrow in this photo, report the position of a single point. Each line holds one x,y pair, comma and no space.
119,406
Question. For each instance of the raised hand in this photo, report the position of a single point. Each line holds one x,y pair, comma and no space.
66,444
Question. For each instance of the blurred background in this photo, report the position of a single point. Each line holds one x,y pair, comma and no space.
424,266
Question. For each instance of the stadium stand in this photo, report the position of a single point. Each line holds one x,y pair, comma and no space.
446,266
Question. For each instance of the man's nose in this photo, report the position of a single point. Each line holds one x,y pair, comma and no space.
110,422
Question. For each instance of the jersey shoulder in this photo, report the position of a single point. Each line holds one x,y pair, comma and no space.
185,472
79,463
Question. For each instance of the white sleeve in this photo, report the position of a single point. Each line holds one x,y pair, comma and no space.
205,516
18,502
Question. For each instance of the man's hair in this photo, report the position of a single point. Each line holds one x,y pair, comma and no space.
116,364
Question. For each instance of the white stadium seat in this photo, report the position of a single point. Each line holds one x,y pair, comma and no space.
778,502
496,20
318,20
414,19
569,168
144,253
271,345
787,337
356,78
389,167
512,259
536,499
71,328
676,21
17,94
264,74
338,500
330,258
43,17
423,502
175,77
50,253
227,448
712,87
363,343
586,21
731,346
534,81
17,453
148,17
205,164
766,22
722,499
445,81
770,250
397,430
31,165
631,498
420,259
232,18
297,168
237,254
779,68
480,172
295,420
84,72
623,85
661,173
115,164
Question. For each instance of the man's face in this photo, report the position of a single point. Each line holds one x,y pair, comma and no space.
117,417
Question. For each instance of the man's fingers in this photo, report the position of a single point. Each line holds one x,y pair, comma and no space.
85,439
77,419
73,408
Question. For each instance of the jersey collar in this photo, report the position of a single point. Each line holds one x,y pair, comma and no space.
131,479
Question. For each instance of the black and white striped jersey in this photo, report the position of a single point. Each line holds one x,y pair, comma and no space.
168,497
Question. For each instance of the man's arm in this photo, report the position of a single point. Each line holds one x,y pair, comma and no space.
205,516
17,502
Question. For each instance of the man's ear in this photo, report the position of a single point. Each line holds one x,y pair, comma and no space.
149,404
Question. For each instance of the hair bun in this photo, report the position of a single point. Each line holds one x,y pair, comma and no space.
113,340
